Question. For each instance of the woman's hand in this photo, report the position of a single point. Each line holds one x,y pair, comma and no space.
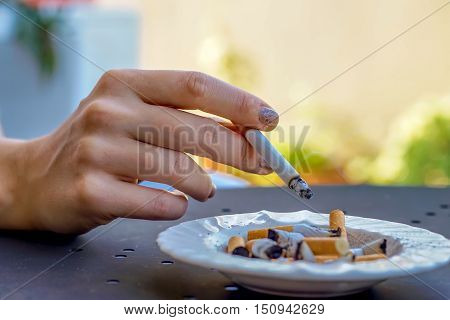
129,128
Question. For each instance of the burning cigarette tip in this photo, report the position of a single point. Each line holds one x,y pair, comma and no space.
301,188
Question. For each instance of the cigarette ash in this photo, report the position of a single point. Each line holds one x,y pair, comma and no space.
300,187
335,233
383,246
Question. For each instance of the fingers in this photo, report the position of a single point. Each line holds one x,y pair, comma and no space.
137,160
170,167
138,202
182,131
183,89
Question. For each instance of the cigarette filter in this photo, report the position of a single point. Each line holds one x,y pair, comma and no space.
337,221
326,258
369,257
236,246
303,252
326,246
264,233
264,249
373,247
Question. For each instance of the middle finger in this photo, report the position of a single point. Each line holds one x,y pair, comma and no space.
186,132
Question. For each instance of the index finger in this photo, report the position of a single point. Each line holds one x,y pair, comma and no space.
196,90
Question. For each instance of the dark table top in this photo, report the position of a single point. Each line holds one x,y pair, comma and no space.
122,261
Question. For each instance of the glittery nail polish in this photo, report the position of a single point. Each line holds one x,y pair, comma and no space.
268,117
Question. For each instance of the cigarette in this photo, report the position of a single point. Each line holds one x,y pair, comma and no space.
278,163
369,257
337,222
264,249
303,252
326,258
236,246
304,229
264,233
325,246
373,247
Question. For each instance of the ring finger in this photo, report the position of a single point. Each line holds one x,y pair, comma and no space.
138,160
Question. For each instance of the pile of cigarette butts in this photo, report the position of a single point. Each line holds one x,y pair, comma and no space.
303,242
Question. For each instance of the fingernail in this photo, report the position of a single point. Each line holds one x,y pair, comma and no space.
213,191
179,193
268,117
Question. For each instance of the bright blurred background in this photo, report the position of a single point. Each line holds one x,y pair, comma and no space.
385,121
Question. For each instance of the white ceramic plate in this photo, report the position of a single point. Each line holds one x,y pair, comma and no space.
202,242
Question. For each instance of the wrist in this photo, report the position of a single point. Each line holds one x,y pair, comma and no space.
14,155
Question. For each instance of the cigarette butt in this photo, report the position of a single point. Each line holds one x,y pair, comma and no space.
337,221
327,246
249,245
325,258
373,247
285,239
304,252
235,242
263,233
370,257
236,246
264,248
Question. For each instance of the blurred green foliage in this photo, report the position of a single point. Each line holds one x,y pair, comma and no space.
34,33
236,68
416,150
427,157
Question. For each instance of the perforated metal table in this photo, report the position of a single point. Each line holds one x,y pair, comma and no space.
122,261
